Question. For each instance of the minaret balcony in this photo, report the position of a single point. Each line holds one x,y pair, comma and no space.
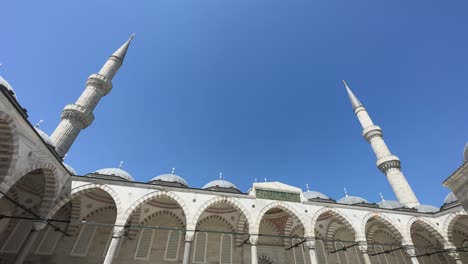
101,82
77,113
370,132
389,162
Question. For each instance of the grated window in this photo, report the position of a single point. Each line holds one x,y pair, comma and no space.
50,239
342,258
172,246
144,244
199,255
321,253
84,240
298,252
17,237
226,249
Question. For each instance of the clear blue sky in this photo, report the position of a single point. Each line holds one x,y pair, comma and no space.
252,88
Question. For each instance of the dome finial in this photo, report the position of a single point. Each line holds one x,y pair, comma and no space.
220,175
173,170
38,124
255,180
381,196
120,165
265,179
122,51
307,187
345,192
64,156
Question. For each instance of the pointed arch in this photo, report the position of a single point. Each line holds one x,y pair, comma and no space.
125,217
341,216
227,200
426,224
217,217
450,222
280,205
381,217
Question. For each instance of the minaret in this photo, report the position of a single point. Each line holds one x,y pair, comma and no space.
78,116
386,162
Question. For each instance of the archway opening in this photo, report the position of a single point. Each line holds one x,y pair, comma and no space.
428,244
458,235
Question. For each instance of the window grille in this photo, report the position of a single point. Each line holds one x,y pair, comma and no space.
199,255
144,244
342,258
382,258
172,246
298,252
50,239
17,237
320,252
84,240
226,249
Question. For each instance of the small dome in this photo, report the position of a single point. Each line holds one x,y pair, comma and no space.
313,195
45,137
3,82
69,168
352,200
450,198
424,208
116,172
220,184
391,204
170,178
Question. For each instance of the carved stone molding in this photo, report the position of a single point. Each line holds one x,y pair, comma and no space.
78,113
101,82
390,162
372,132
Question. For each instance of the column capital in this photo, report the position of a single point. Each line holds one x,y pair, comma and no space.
362,245
189,235
118,232
310,242
253,239
453,252
410,250
38,225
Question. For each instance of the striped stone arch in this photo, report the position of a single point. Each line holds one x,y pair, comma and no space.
220,218
450,222
125,217
283,206
382,218
50,173
341,216
178,221
227,200
98,211
426,224
9,146
75,192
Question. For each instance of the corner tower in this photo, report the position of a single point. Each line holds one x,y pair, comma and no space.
387,163
78,116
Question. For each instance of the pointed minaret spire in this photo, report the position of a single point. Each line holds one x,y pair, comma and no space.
386,162
354,100
121,164
78,116
345,192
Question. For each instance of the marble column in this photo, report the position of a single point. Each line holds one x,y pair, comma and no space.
188,246
411,252
311,247
452,252
117,234
253,249
362,245
29,241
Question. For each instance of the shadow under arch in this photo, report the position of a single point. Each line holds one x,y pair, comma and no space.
433,230
384,219
340,216
283,206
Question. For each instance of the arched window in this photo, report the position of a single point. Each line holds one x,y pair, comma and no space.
144,244
399,255
50,239
199,253
382,258
17,237
225,255
172,246
342,258
84,240
298,251
320,252
421,259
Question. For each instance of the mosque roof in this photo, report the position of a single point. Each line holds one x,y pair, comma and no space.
116,172
390,204
220,183
45,137
313,195
69,168
170,178
424,208
7,85
450,198
348,199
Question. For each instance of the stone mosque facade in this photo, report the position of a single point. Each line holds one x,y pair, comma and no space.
48,214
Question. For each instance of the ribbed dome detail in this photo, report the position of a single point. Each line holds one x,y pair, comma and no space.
391,204
219,183
314,195
45,137
450,198
172,178
352,200
116,172
3,82
424,208
69,168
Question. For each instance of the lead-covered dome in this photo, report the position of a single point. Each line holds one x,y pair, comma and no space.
221,185
391,204
69,168
314,195
450,198
169,180
45,137
424,208
348,199
118,172
4,83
